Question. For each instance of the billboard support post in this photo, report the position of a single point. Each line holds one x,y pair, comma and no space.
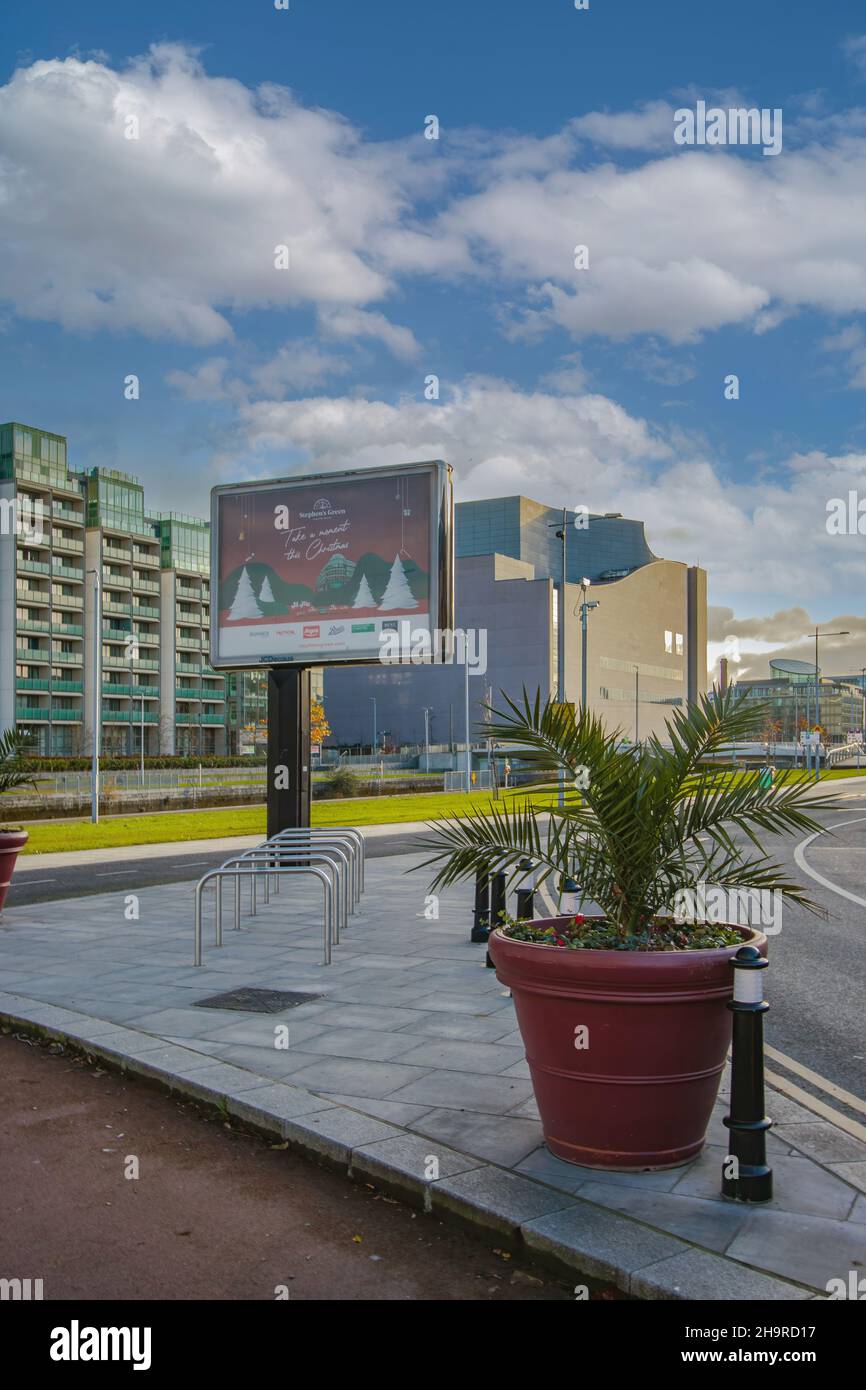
288,748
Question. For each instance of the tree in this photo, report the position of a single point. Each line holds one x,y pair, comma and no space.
650,825
364,597
266,593
320,729
398,594
246,604
14,747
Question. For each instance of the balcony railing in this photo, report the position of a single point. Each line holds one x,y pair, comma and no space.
66,543
67,659
66,572
31,625
141,610
68,629
33,566
28,712
32,683
67,601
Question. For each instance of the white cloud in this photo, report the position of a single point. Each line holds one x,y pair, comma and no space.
682,244
361,323
168,233
767,537
855,49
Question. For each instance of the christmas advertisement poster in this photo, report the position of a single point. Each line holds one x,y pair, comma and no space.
318,571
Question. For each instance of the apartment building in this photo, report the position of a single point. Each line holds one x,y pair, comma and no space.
60,528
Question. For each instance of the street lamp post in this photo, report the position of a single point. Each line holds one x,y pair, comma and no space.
636,699
844,633
375,734
585,608
427,713
97,694
142,740
466,697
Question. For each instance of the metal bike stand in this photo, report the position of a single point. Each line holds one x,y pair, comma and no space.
244,872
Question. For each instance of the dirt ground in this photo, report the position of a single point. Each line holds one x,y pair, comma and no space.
215,1213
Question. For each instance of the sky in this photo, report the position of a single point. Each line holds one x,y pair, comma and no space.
153,158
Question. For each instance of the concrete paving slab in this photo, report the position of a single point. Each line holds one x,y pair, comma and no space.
492,1197
599,1243
696,1275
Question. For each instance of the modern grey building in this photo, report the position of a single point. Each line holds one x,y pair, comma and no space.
646,639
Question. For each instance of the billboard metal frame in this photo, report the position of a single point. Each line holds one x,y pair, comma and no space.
441,596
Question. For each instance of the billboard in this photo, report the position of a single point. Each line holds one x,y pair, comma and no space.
314,571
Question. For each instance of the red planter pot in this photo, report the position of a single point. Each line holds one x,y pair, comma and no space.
640,1092
11,842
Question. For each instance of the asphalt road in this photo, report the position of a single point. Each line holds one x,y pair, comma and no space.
214,1213
79,880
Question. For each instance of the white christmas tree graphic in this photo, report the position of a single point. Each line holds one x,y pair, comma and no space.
364,598
266,593
245,604
397,594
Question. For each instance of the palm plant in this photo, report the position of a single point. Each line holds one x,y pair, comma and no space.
13,746
652,822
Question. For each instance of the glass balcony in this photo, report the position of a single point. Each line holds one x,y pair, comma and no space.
30,712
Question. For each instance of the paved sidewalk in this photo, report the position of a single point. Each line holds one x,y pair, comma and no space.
409,1054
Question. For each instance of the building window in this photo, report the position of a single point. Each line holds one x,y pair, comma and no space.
669,642
679,644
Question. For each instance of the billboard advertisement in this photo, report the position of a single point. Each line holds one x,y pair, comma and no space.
319,570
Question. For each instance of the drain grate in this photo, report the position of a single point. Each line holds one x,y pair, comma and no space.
257,1001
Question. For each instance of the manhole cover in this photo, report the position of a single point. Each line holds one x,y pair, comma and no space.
257,1001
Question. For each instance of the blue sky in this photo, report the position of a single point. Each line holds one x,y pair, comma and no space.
454,257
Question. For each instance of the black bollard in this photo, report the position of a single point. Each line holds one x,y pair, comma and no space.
526,894
752,1180
569,897
498,905
481,912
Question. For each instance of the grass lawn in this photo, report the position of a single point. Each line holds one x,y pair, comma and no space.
49,836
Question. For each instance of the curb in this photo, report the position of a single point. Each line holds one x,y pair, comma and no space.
570,1235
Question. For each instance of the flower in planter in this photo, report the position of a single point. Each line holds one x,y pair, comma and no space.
651,823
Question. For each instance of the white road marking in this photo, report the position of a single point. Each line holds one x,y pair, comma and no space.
800,860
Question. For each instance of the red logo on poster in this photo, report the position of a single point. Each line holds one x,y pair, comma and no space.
311,631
